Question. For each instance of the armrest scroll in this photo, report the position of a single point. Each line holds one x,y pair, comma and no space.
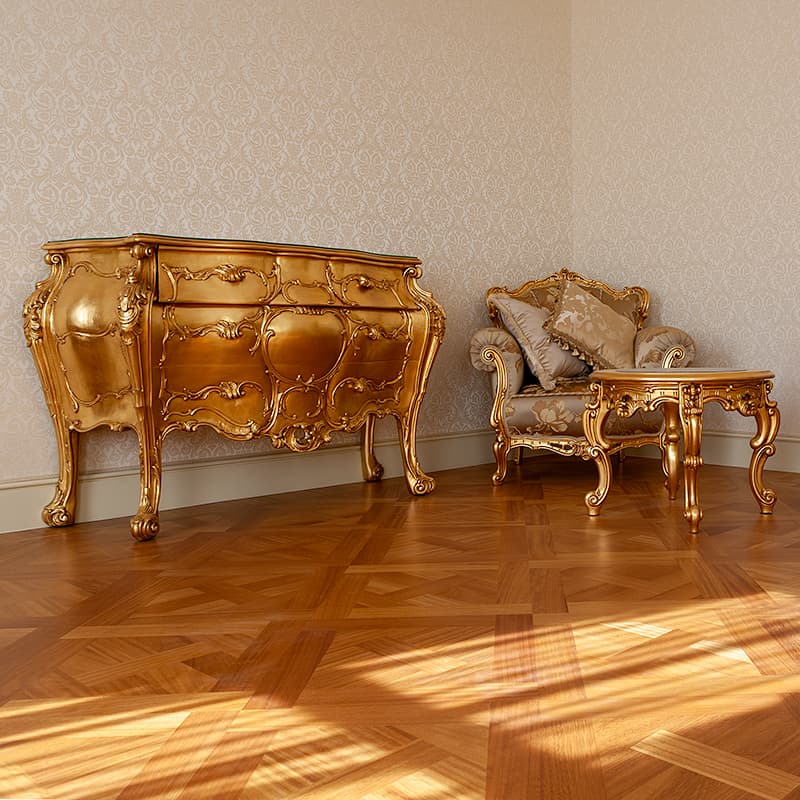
488,346
663,346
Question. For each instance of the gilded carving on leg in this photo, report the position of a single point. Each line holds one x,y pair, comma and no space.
137,295
371,468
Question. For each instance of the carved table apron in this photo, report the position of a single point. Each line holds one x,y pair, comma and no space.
252,339
681,394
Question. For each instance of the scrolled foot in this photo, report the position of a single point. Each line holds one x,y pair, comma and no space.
422,484
693,516
56,515
145,527
593,502
374,473
767,499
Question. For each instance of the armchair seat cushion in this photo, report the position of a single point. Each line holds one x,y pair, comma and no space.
535,410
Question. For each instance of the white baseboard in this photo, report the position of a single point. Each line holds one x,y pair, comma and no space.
733,450
109,495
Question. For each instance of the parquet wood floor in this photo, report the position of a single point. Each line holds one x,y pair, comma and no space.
358,643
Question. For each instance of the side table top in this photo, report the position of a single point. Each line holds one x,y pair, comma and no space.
688,374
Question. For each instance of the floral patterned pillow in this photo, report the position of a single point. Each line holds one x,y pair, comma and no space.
545,358
591,329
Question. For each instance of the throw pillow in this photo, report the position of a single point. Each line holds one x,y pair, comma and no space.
591,329
546,359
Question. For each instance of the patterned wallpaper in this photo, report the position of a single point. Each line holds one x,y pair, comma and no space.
642,142
686,159
440,130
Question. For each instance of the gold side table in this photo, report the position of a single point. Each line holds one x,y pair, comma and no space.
682,394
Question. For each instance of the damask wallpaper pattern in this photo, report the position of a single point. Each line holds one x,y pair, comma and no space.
640,142
686,163
439,130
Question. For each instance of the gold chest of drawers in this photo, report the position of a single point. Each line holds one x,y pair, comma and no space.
252,339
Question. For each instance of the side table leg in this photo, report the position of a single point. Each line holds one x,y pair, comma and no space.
594,418
768,420
691,412
670,441
596,498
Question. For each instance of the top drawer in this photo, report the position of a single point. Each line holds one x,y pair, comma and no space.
242,277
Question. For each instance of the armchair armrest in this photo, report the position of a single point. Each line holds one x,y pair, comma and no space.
663,346
487,347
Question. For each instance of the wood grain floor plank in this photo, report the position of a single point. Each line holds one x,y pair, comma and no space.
742,773
357,642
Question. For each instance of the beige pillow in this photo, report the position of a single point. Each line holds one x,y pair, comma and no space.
591,329
546,359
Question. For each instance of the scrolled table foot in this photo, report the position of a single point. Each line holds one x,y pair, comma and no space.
371,468
766,498
374,473
596,498
145,527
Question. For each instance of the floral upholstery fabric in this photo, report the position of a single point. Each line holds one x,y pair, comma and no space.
535,410
594,331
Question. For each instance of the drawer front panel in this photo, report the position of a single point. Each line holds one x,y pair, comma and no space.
236,277
212,372
242,277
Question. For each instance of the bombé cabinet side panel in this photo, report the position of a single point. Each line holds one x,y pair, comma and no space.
84,327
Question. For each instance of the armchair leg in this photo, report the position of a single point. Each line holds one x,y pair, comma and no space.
501,457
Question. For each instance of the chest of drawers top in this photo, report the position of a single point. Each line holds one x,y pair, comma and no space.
180,270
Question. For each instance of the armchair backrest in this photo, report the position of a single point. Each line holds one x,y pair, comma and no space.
632,301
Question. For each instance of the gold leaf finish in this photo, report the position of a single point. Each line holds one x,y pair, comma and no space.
254,340
682,394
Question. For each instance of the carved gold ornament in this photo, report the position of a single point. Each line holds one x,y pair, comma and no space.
251,339
682,394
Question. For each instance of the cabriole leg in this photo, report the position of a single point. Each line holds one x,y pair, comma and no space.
670,445
692,422
371,468
768,421
418,482
60,510
145,525
500,448
594,419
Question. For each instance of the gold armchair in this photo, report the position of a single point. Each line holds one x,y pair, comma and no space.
546,337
